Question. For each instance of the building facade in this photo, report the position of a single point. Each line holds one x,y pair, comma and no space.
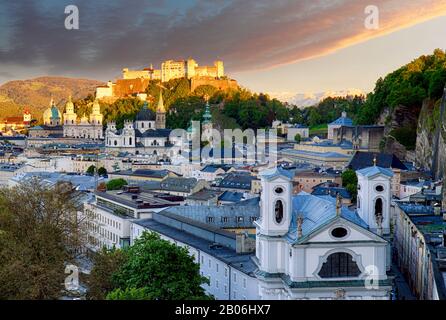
86,128
146,135
312,248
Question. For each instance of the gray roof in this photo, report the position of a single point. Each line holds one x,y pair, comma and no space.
362,160
159,174
80,182
145,114
204,195
237,180
153,133
332,192
178,184
230,196
229,216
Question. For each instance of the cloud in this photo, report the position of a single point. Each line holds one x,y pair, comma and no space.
246,34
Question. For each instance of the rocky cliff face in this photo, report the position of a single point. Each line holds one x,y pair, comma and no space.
393,119
427,144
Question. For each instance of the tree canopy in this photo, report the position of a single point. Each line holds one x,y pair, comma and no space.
116,184
39,234
150,269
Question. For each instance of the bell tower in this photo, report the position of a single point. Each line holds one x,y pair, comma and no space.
374,198
275,202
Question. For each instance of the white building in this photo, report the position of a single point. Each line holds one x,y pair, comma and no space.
111,213
301,130
341,121
313,248
374,198
86,128
146,135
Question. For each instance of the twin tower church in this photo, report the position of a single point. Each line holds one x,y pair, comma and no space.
311,247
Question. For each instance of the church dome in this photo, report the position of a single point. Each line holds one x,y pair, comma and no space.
145,114
51,113
55,113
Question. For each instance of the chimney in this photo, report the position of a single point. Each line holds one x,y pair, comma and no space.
244,244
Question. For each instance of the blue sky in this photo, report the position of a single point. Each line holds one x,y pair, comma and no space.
270,46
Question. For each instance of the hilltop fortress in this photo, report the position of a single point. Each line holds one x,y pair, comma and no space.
135,82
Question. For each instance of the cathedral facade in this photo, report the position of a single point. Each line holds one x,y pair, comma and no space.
86,128
309,247
146,135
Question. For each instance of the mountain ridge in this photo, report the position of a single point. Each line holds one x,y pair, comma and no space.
35,94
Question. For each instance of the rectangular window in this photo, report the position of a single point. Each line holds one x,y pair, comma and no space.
235,277
216,266
244,283
226,272
210,263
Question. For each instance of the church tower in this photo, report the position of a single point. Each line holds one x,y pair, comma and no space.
275,202
275,217
206,125
96,116
69,117
374,198
160,122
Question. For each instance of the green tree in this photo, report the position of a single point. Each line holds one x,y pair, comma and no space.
91,170
102,171
106,262
130,294
39,234
297,138
350,182
116,184
161,269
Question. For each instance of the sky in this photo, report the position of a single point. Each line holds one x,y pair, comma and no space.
293,46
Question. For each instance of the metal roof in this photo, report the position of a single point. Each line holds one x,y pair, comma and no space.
375,170
317,212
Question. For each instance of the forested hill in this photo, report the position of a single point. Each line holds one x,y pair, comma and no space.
424,77
35,94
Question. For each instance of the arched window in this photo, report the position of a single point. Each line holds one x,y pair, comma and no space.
339,265
116,142
379,209
130,141
359,203
142,124
278,211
